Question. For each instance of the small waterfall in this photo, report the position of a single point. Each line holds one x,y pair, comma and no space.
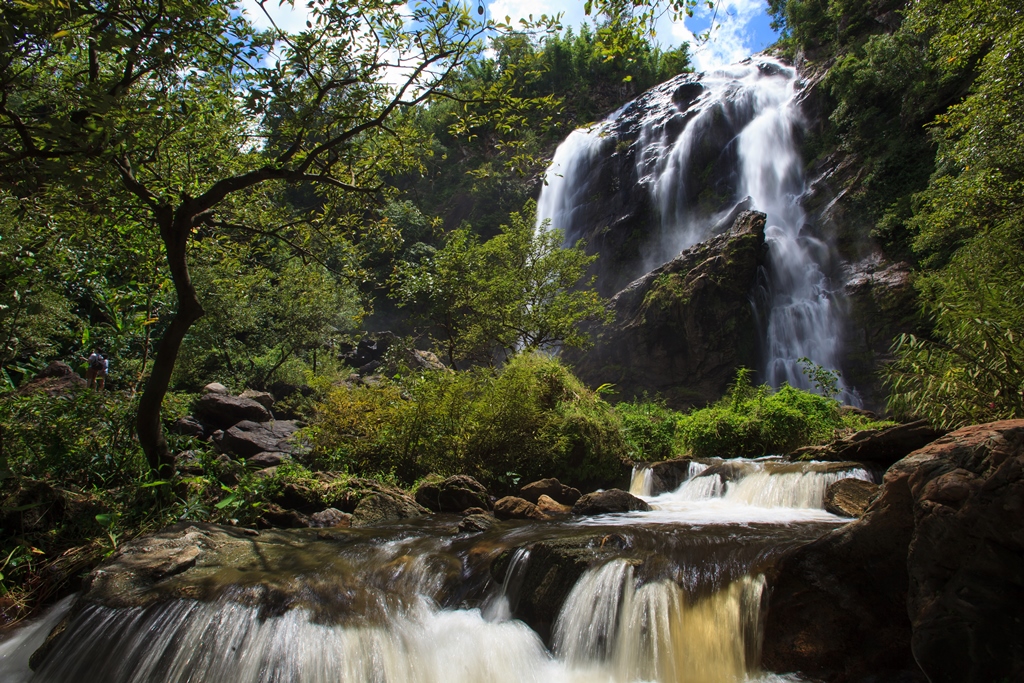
641,481
703,147
654,632
502,605
789,489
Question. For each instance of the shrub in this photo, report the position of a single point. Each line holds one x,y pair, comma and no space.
752,421
531,419
649,429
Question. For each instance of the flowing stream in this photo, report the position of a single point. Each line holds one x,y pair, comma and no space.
672,595
703,147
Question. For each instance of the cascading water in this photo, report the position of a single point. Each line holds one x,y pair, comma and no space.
703,148
674,595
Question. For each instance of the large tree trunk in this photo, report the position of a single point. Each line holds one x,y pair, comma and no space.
175,230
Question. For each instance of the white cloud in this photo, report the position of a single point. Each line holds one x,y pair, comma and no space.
731,38
571,10
288,18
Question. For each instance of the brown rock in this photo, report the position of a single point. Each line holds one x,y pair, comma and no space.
264,398
850,497
476,523
930,579
612,500
55,379
551,507
248,438
453,494
383,507
554,489
511,507
884,446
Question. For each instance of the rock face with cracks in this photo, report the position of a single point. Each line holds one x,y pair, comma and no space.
682,329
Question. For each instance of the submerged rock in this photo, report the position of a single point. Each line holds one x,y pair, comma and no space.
932,576
612,500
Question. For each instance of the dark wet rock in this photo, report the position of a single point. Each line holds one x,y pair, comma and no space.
850,497
727,471
683,329
552,508
882,304
264,398
267,459
512,507
453,494
370,349
55,379
248,438
188,426
554,489
330,517
877,446
281,390
473,511
222,411
931,578
612,500
667,475
383,507
476,523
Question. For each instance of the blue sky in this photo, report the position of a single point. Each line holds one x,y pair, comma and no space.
744,24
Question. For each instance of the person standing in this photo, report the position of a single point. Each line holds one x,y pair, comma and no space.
96,375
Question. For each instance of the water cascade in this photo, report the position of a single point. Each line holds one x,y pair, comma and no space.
702,148
673,595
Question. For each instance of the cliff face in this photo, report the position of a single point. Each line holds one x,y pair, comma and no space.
682,329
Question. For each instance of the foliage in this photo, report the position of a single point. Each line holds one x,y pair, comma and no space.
751,421
520,290
531,419
649,429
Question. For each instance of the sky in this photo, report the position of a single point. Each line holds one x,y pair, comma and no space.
743,25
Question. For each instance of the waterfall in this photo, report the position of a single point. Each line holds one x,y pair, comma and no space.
702,148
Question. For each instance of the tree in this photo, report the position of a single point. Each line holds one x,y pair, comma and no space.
178,114
519,291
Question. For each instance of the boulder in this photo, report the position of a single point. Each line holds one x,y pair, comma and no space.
222,411
264,398
330,517
882,446
612,500
248,438
281,518
477,523
850,497
383,507
511,507
552,508
682,329
554,489
188,426
930,579
216,388
453,494
55,379
267,459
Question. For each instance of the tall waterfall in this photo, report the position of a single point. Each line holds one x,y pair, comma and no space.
704,147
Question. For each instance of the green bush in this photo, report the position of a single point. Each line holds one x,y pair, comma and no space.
529,420
649,429
752,421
